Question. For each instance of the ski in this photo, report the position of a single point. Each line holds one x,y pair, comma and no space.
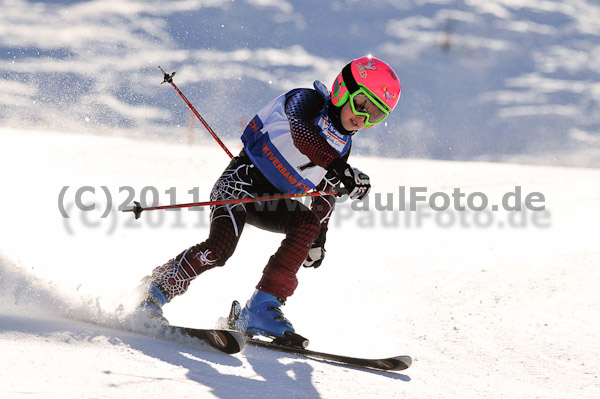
223,339
297,344
396,363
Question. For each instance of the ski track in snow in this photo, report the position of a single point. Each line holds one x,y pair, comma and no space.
486,312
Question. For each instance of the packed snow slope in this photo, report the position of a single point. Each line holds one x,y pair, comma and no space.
481,80
490,304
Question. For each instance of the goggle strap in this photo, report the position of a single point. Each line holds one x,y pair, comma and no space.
349,80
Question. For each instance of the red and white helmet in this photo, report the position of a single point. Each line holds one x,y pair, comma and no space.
373,78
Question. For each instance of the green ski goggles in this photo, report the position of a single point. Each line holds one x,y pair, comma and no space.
364,103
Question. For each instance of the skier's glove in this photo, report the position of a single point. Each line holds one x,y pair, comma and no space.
317,251
356,183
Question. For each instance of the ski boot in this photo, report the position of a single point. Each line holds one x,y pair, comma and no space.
151,305
262,315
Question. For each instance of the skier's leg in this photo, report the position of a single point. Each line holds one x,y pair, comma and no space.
227,222
301,228
262,313
174,277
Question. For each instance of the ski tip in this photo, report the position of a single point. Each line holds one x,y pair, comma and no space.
240,340
397,363
400,363
227,341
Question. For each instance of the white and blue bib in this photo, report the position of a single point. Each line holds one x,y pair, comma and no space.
269,144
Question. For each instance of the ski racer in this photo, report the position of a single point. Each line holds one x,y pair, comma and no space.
298,142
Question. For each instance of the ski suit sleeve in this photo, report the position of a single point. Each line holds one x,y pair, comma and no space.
301,109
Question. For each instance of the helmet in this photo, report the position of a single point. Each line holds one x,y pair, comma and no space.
371,84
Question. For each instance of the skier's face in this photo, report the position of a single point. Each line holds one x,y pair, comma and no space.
351,121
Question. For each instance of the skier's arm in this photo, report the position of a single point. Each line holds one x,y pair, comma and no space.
301,109
323,207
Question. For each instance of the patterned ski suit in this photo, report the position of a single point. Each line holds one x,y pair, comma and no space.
287,148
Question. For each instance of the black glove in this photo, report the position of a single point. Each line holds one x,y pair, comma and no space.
317,251
356,183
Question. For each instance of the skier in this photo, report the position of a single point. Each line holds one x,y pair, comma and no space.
298,142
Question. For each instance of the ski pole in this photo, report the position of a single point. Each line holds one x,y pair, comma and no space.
169,79
137,209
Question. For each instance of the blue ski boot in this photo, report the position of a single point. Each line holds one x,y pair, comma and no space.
262,315
151,305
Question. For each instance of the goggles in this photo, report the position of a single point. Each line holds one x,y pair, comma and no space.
365,104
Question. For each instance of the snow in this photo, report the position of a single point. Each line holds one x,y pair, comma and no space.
490,304
503,309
